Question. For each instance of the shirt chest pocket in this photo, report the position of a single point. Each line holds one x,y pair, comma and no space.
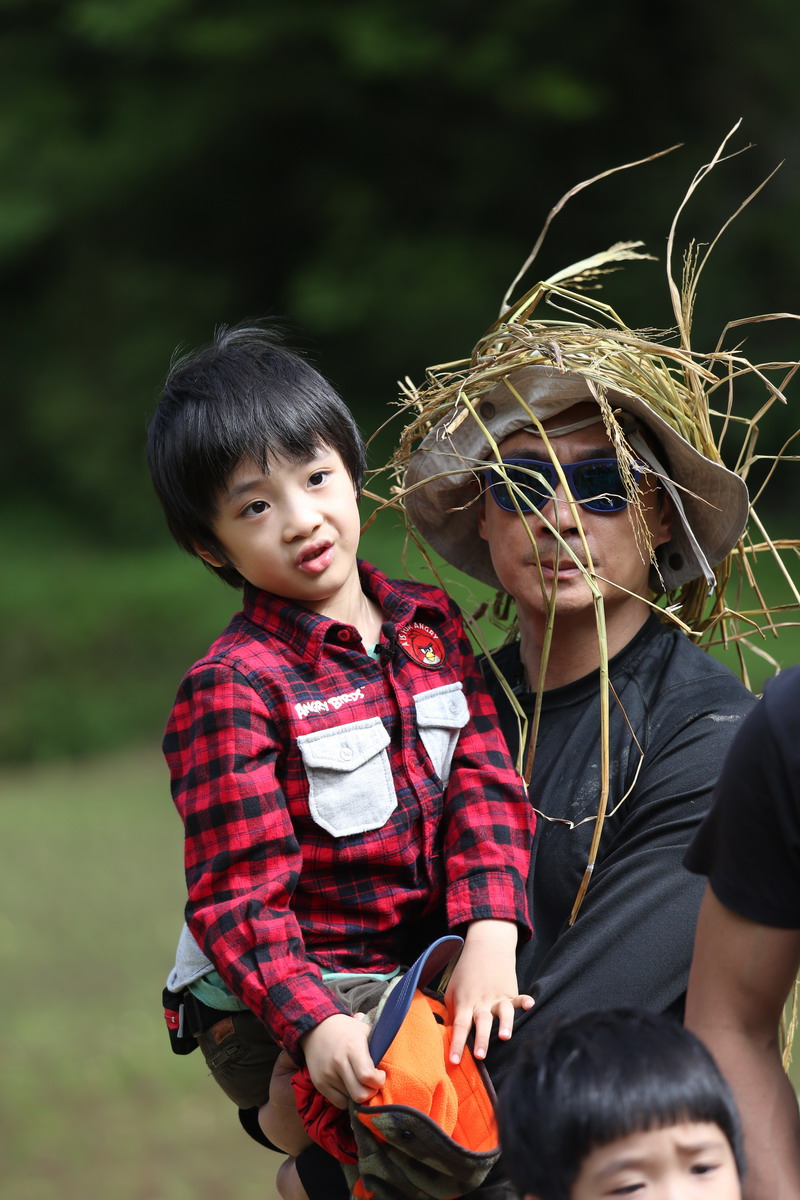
350,787
441,715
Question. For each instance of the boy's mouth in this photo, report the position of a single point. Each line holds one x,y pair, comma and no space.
315,558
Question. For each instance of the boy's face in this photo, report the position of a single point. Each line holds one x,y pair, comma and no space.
690,1161
293,532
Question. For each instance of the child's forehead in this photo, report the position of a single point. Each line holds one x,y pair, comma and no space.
270,460
651,1150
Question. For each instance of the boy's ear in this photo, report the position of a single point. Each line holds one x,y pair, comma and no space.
207,556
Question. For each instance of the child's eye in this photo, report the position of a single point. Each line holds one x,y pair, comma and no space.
318,478
257,507
704,1168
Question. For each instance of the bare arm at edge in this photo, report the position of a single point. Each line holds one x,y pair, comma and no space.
740,977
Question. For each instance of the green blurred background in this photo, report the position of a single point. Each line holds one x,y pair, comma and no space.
372,174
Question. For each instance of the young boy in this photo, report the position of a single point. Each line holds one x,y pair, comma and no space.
344,787
615,1103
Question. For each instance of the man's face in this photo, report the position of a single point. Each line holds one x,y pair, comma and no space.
531,560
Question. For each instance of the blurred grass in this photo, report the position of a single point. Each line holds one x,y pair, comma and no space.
93,1103
94,643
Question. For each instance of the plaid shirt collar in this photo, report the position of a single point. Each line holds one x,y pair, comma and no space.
306,632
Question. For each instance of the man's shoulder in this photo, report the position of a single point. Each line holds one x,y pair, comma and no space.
776,720
782,692
674,688
668,658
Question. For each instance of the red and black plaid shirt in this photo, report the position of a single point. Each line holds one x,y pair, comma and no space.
309,777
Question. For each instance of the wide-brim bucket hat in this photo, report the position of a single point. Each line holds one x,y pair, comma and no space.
445,474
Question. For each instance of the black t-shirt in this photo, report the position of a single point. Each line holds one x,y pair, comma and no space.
674,710
749,845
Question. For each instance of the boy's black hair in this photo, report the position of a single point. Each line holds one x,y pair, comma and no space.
590,1080
244,396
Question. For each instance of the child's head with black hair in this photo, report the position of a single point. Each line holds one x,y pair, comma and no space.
245,398
619,1102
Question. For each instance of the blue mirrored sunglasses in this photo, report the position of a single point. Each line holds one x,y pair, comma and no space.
595,483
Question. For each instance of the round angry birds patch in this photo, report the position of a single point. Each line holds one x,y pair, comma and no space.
421,644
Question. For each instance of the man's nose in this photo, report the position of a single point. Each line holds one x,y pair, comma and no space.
556,509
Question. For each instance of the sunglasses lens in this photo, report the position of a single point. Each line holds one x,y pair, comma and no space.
598,485
519,484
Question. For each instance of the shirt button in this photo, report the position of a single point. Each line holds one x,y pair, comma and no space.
346,752
344,635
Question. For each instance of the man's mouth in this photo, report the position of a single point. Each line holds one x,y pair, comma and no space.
314,559
561,568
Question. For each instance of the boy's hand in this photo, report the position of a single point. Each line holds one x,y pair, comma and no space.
338,1060
484,986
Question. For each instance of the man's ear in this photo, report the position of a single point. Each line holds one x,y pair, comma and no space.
208,557
480,505
662,522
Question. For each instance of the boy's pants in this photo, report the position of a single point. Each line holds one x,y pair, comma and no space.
241,1054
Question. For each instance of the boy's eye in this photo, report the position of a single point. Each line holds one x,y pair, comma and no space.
703,1168
317,478
257,507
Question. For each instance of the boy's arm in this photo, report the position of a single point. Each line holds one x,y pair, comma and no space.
488,820
483,986
339,1063
241,852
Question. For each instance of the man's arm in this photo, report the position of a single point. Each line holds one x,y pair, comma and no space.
740,977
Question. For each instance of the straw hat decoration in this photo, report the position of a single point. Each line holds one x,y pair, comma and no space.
661,402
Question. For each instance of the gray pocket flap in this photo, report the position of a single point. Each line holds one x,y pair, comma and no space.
344,748
442,708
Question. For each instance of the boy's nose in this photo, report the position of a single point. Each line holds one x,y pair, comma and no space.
302,517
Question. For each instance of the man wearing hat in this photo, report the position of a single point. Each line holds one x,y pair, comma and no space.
569,467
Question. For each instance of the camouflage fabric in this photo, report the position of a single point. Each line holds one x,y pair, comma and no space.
430,1133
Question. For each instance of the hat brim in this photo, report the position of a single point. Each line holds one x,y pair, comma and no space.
394,1008
444,482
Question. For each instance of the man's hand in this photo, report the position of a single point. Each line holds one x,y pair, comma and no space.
484,986
338,1060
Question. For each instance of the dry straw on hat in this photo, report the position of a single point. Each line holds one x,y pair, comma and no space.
657,373
693,394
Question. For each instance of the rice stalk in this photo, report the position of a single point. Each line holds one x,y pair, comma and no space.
695,392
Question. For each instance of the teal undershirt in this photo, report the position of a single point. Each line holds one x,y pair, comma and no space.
211,989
